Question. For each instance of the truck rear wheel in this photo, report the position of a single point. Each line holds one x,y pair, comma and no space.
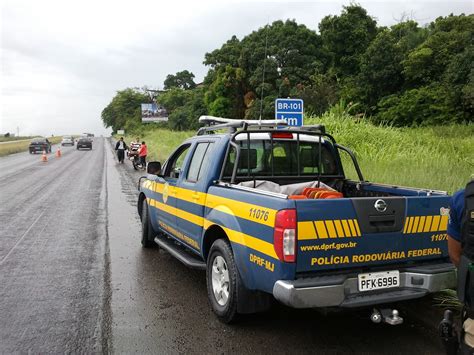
148,233
223,281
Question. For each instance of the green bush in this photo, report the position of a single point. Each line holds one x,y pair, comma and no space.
427,105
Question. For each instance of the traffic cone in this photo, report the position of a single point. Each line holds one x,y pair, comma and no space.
44,157
58,153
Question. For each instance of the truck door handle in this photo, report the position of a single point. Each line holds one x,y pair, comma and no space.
195,196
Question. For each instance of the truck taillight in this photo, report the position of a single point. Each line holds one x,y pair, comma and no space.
284,237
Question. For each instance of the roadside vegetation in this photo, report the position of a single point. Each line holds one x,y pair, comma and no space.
436,157
9,138
12,147
403,75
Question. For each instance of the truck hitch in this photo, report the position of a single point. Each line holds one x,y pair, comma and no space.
387,315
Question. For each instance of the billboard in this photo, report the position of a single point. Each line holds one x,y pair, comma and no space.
154,113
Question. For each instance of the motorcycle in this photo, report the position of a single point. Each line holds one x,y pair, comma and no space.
134,158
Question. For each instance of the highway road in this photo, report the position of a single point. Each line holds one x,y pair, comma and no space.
74,278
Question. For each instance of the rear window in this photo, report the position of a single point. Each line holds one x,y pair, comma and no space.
37,141
283,158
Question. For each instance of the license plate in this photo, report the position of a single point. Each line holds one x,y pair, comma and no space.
379,280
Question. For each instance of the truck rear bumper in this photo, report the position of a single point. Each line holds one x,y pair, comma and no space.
342,290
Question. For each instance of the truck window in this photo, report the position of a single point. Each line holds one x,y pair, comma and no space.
175,164
200,161
284,158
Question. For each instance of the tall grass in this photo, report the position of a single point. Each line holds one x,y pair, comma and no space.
439,158
13,138
160,142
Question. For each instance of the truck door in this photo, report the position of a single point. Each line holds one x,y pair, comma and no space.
192,186
166,211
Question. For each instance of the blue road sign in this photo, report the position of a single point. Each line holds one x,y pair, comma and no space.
290,110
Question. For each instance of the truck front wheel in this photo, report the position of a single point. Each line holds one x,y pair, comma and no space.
223,281
148,233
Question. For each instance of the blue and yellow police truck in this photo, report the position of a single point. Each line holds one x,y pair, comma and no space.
268,212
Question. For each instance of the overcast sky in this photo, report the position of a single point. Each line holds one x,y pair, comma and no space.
63,61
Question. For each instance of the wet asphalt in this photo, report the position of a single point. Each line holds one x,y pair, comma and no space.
74,278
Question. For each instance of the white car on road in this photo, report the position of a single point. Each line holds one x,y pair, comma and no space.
67,140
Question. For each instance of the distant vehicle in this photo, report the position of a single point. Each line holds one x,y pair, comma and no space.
67,140
39,145
84,142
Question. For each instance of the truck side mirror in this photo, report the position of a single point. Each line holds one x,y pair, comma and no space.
153,167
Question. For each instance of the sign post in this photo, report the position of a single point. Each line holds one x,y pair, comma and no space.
290,110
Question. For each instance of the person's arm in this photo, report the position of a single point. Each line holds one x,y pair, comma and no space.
454,233
454,250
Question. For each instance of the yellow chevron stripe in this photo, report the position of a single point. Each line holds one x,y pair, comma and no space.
428,223
443,224
424,224
357,227
352,228
345,225
331,229
435,223
421,224
407,221
415,224
339,229
410,225
322,233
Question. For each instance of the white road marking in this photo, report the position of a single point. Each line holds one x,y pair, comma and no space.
23,236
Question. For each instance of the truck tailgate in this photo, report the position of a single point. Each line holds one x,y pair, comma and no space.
370,231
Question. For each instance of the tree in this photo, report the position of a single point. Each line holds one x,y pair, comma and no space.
346,37
124,111
184,107
235,78
448,37
182,79
319,94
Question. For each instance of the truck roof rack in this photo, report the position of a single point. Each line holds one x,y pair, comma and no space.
215,123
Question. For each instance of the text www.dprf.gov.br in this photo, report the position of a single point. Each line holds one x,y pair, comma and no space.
330,246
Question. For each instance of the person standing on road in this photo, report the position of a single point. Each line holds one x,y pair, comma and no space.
142,153
120,147
461,251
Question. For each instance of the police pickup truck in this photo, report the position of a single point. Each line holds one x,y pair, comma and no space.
268,212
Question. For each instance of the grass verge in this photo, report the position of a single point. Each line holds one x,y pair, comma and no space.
440,158
11,139
16,147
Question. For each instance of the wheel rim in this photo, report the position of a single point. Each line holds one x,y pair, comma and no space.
220,280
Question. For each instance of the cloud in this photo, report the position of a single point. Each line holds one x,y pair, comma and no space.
62,61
